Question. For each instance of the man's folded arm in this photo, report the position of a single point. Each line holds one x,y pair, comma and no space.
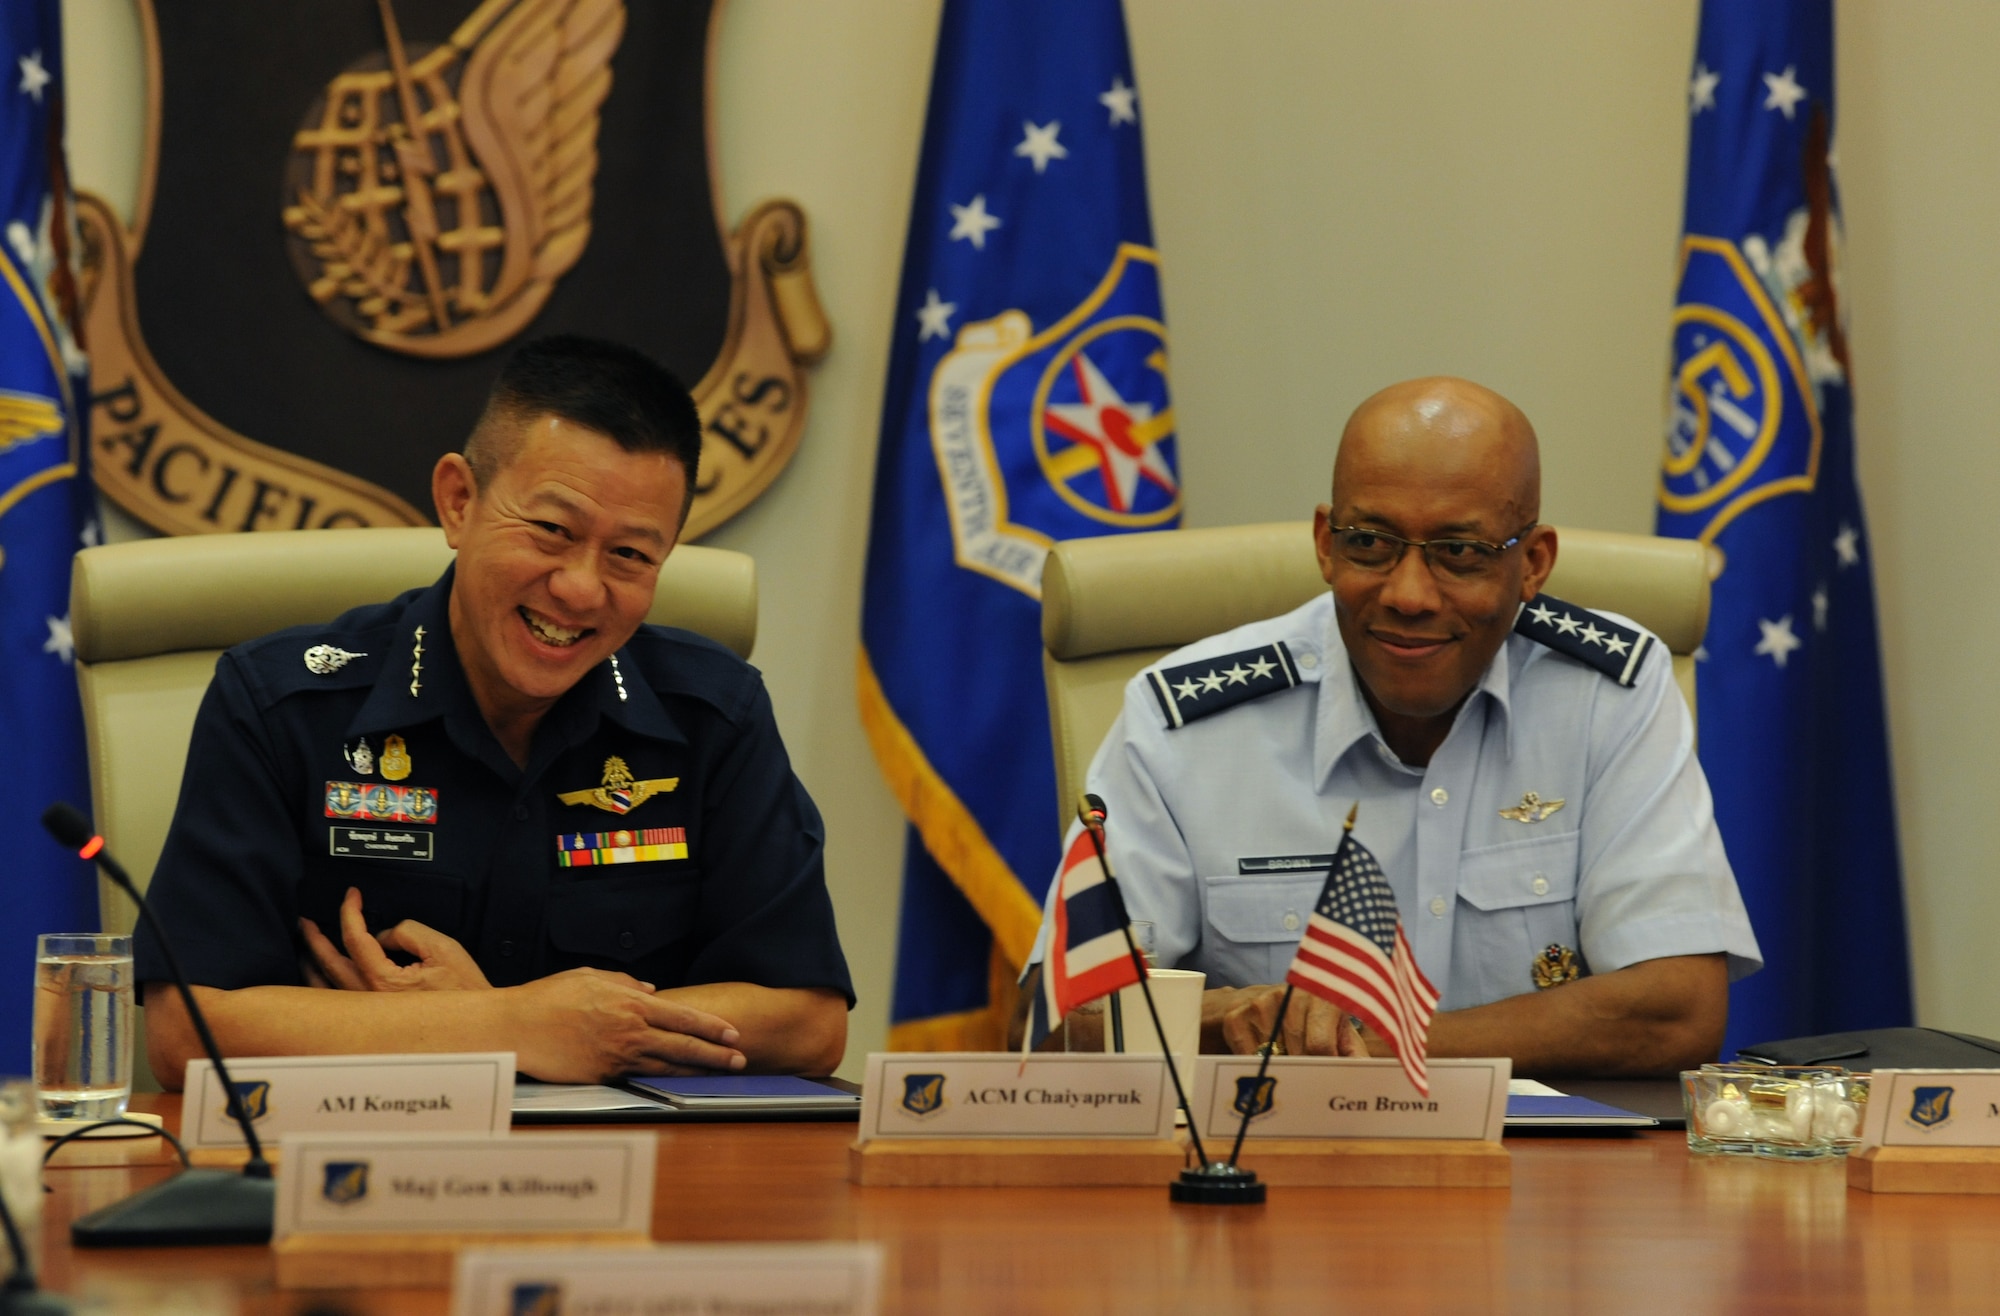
1656,1017
582,1026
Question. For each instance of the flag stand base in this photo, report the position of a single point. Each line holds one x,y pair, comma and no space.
1218,1184
1925,1170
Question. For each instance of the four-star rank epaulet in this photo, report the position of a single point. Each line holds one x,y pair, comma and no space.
1194,690
1589,637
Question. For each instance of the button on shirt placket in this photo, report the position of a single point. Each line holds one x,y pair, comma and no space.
1440,837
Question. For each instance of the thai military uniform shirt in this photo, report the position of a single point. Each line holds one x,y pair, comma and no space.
657,828
1564,809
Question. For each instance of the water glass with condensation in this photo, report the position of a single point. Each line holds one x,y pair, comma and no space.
83,1025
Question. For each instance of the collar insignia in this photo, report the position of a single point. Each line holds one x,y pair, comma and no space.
620,793
325,660
1589,637
1196,690
1532,809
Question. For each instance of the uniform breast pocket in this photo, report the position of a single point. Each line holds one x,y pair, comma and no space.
631,922
1254,924
1514,900
391,892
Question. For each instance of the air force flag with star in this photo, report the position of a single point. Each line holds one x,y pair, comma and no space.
1027,403
45,503
1759,462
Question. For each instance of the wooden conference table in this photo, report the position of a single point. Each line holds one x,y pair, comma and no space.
1624,1223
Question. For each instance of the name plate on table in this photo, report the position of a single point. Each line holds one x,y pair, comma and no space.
413,1183
993,1094
452,1093
1332,1097
809,1279
1932,1108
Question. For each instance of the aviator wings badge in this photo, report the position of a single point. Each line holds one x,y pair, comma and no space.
1532,809
620,793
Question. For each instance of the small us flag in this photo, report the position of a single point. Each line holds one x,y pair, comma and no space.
1354,954
1088,955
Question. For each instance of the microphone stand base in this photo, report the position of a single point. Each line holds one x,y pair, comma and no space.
194,1208
1218,1184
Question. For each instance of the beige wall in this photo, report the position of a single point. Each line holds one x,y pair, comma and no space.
1345,194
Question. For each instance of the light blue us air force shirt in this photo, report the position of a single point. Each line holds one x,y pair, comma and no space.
1220,829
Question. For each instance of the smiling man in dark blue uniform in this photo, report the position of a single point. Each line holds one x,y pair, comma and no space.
499,813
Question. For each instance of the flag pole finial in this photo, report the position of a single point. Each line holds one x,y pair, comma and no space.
1348,826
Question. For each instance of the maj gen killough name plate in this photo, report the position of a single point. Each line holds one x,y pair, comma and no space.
546,1183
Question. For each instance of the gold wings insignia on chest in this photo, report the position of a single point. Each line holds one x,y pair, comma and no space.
1532,809
621,792
438,194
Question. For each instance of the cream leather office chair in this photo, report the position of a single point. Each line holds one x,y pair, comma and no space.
151,617
1110,606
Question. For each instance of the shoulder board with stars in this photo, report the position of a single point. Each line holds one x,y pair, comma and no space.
1194,690
1589,637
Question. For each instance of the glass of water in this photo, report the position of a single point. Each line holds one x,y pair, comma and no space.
83,1025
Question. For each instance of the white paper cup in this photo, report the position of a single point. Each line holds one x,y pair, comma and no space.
1177,993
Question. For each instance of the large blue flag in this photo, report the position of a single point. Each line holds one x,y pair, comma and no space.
45,511
1027,403
1759,462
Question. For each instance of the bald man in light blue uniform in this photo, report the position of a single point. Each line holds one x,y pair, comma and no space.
1524,769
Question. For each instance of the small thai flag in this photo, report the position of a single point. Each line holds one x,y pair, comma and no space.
1088,955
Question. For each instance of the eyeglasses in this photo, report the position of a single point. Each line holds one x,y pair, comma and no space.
1454,559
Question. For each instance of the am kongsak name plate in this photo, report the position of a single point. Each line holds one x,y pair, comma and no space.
720,1279
448,1093
986,1094
1328,1097
412,1183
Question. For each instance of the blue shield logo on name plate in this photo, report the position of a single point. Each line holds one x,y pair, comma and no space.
1930,1107
346,1182
1255,1096
535,1298
254,1095
923,1094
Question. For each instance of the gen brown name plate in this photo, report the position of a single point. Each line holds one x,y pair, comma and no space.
1338,1097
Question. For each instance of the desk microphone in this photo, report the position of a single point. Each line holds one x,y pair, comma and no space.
195,1206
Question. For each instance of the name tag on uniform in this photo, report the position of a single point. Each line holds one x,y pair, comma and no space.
470,1093
823,1279
638,846
1284,863
977,1094
1337,1097
389,1183
380,843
